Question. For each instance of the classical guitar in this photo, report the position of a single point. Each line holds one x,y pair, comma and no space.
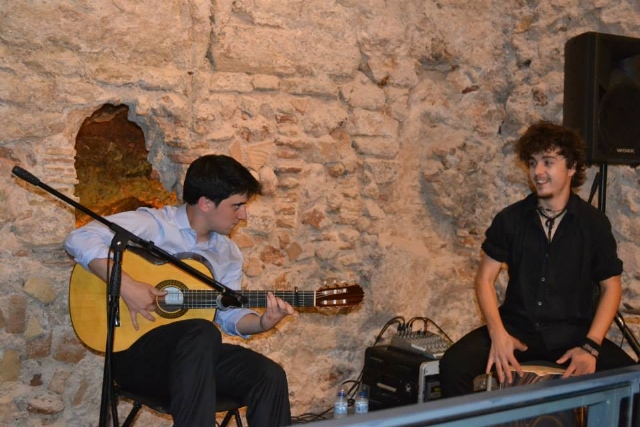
186,298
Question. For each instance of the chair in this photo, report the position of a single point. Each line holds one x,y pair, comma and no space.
223,404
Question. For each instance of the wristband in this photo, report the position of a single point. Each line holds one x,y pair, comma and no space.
591,347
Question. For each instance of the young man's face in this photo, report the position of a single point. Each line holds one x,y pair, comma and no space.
550,175
224,217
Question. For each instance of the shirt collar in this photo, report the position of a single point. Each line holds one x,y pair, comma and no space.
182,220
181,217
572,203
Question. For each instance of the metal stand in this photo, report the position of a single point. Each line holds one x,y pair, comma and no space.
119,244
600,184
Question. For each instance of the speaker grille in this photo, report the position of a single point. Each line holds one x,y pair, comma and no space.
619,121
602,95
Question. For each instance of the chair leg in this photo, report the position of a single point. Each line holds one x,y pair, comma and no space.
132,415
231,413
236,415
115,420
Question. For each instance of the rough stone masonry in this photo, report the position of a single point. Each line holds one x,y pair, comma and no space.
382,132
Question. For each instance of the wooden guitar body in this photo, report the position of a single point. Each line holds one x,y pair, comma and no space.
187,298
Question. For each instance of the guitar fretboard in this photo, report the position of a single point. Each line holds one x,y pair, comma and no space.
214,299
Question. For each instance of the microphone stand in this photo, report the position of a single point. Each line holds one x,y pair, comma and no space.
120,242
600,183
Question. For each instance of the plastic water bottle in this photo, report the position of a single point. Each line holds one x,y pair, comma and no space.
341,405
362,403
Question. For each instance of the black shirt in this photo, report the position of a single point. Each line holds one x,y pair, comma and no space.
552,284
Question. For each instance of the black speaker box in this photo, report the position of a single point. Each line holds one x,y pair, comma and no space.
395,377
602,95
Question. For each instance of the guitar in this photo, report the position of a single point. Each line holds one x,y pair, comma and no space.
88,300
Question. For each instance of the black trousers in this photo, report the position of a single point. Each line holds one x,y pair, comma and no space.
187,364
467,358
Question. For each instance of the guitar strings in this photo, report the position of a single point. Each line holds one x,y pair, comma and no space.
196,298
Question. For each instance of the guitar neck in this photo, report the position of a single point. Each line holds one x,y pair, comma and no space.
214,299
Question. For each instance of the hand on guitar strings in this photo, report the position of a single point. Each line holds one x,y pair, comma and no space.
277,309
140,298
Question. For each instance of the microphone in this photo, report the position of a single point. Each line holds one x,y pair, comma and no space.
21,173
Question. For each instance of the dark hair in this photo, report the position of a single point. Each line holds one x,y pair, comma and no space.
545,136
217,177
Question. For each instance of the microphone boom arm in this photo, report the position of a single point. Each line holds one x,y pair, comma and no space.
147,245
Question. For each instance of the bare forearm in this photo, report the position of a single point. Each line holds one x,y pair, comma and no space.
99,267
277,309
486,293
488,302
503,345
607,308
250,325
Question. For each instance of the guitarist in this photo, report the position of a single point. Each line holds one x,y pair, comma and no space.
185,362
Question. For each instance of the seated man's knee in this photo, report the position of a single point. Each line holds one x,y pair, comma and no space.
274,372
204,330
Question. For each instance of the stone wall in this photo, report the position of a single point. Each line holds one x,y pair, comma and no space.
382,132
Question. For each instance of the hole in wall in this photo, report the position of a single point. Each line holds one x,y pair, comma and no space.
112,168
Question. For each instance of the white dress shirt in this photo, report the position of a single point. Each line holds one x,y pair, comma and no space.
169,229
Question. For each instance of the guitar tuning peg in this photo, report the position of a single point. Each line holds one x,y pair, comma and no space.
328,282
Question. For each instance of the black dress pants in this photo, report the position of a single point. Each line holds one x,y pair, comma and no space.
186,364
467,358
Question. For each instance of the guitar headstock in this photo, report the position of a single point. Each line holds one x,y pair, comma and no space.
340,294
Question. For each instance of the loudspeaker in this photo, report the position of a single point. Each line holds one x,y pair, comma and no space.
602,95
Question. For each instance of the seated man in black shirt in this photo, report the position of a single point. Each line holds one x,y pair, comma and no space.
558,249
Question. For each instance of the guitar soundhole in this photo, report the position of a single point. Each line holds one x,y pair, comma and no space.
171,306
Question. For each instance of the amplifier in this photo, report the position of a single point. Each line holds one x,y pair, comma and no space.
395,377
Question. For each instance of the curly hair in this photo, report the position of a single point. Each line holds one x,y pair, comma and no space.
544,136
